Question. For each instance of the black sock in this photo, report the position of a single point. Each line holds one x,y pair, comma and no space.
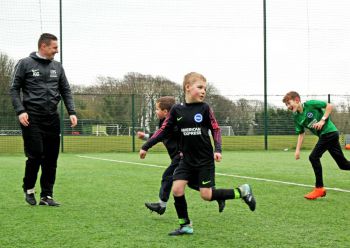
181,209
222,194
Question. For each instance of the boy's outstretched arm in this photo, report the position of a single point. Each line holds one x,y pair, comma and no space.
216,132
328,111
299,144
159,135
143,135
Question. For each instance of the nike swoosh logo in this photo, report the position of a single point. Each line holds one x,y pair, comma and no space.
179,118
206,182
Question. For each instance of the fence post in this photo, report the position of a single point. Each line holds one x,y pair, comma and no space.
329,98
133,121
265,82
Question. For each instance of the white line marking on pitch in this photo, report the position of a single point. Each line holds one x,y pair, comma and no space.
219,174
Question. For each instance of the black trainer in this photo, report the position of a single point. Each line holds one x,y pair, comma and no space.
30,197
222,204
156,207
247,196
48,201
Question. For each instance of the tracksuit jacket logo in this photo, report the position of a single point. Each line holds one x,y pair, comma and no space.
36,72
53,73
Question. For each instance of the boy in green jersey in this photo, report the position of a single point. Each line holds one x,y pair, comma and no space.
314,115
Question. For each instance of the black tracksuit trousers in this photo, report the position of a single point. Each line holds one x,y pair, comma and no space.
41,146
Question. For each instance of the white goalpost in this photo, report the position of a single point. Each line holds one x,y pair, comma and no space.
226,131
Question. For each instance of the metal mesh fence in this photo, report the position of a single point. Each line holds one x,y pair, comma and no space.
109,122
110,48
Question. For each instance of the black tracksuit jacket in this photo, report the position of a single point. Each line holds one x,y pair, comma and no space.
43,83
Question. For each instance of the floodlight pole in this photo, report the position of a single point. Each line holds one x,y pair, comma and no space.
61,60
265,82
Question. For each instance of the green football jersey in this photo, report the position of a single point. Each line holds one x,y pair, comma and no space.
312,113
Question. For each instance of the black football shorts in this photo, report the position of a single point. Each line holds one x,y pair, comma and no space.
201,177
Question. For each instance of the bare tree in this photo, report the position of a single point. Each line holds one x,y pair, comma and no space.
6,70
7,113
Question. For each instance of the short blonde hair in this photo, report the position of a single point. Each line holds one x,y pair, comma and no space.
291,95
192,77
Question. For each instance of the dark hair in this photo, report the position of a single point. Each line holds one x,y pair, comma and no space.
166,102
46,38
291,95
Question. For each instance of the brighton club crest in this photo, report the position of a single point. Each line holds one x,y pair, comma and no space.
198,118
310,115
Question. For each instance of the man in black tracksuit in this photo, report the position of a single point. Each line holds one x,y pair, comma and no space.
42,82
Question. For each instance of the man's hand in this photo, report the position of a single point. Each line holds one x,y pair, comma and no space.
73,120
217,156
142,154
24,119
297,155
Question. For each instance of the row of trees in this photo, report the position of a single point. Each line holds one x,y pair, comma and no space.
111,99
132,100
